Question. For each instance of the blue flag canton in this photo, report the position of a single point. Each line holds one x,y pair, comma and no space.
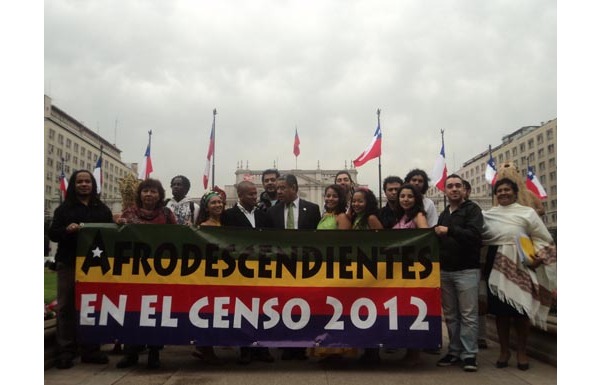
530,174
378,132
492,163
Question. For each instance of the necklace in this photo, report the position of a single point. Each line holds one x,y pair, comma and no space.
213,222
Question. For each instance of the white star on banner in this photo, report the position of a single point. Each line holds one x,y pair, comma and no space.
97,252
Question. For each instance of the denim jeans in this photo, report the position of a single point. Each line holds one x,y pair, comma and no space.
460,290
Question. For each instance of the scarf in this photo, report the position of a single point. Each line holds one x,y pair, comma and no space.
529,291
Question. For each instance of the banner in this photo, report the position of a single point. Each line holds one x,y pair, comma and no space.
218,286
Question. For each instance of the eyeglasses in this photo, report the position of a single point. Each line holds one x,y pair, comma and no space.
451,185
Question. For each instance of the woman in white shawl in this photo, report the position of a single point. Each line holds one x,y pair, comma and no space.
519,287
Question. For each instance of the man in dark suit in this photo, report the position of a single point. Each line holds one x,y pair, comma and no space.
292,213
305,214
246,214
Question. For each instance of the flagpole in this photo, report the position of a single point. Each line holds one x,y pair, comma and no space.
214,147
442,132
378,125
491,185
101,171
150,147
62,170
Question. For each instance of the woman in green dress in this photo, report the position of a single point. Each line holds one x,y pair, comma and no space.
334,218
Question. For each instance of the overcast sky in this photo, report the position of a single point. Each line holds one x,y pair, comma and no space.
477,69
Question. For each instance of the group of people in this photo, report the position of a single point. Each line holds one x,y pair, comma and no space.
514,290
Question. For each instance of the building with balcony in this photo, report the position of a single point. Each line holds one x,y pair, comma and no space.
534,146
311,183
70,144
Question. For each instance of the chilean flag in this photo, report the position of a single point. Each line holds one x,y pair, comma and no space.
296,144
372,152
440,172
490,171
98,173
146,166
63,184
533,184
211,150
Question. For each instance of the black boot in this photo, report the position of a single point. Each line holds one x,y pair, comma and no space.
153,358
128,360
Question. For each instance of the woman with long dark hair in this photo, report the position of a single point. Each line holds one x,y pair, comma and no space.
411,212
82,205
364,216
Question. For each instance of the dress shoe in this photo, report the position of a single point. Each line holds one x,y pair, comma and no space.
524,366
300,354
127,361
153,359
209,356
502,364
370,356
287,354
95,358
245,356
264,356
64,363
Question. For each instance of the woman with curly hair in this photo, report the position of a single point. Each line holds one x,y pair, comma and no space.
363,214
334,218
212,206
